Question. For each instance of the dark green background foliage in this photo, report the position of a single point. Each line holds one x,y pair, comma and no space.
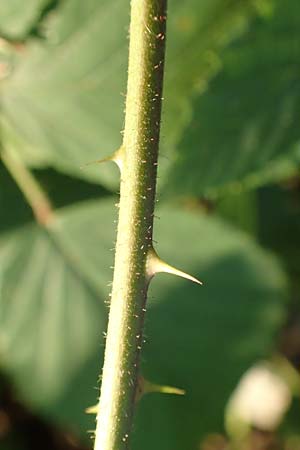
229,206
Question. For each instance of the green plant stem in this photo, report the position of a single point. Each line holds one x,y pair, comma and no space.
32,191
134,237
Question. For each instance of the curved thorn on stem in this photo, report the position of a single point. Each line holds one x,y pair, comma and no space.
146,387
156,265
116,157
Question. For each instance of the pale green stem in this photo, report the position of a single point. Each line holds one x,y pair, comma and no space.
134,238
31,189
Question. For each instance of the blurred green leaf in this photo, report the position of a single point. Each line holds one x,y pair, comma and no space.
52,309
61,189
245,126
196,33
199,339
64,102
64,97
279,225
17,17
13,209
240,209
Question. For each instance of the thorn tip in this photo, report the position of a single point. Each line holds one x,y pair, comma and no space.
92,409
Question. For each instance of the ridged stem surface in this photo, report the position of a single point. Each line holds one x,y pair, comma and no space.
134,237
